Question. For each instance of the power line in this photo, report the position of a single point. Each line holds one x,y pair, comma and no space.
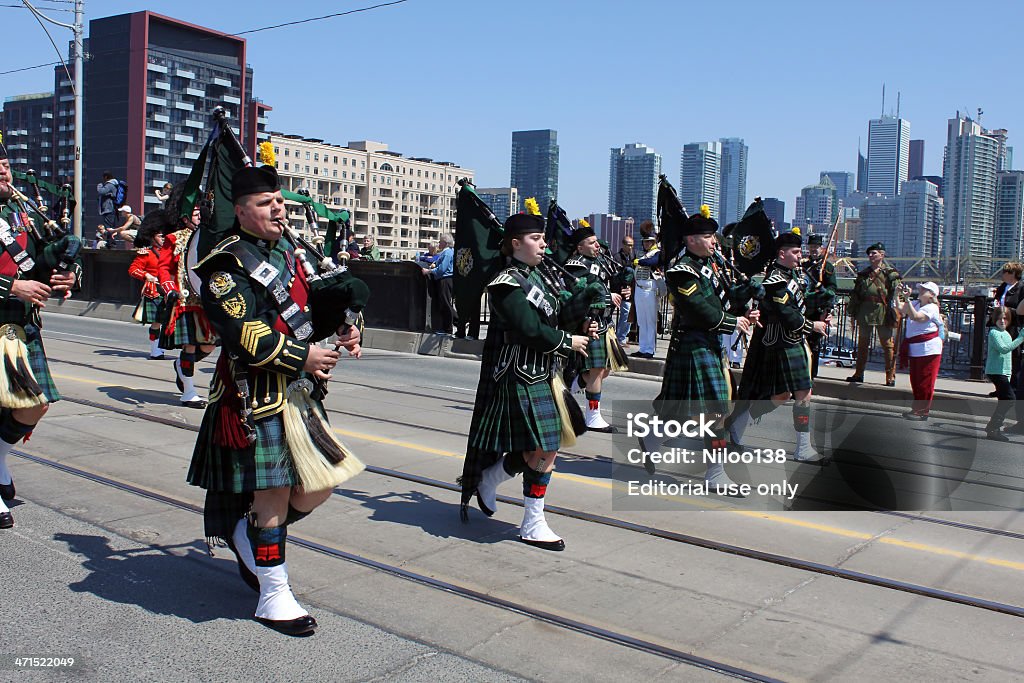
326,16
252,30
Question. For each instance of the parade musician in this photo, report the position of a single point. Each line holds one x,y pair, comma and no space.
820,294
268,317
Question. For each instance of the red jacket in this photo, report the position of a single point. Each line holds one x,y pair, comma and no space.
146,263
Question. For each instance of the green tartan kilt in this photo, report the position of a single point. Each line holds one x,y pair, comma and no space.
152,310
695,380
597,354
266,464
520,417
186,331
779,370
38,363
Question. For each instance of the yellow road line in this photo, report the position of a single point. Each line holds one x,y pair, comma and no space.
778,519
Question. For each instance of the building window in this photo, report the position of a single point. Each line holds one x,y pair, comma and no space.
307,155
286,165
286,151
335,173
307,168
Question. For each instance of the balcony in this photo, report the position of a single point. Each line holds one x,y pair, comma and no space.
223,82
161,118
157,68
178,137
47,114
183,105
196,92
161,85
150,166
231,99
67,98
161,151
159,101
194,124
183,170
185,74
159,134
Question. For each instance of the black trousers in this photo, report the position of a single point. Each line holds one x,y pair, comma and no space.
442,312
468,323
1007,397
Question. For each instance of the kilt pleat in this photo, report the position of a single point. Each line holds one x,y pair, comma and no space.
187,330
37,361
696,379
266,464
597,354
152,310
521,417
770,371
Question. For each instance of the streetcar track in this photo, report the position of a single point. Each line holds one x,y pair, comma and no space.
599,458
552,618
678,537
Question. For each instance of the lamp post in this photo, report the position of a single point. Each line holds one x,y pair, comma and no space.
77,28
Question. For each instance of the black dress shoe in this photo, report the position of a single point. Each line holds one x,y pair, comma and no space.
197,403
303,626
996,435
855,378
6,520
557,546
890,382
604,430
914,417
7,491
250,579
162,356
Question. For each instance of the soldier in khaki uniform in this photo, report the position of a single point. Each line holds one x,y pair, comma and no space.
871,306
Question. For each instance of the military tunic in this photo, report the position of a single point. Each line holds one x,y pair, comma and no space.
778,359
873,291
188,324
256,339
22,315
147,262
595,270
695,371
522,414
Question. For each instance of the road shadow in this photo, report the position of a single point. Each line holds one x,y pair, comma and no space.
435,517
152,578
141,397
119,353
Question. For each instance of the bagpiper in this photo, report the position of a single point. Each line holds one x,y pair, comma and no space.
187,327
778,364
604,353
264,453
527,417
819,294
697,379
32,268
146,267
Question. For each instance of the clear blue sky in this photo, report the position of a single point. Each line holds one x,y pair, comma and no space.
451,80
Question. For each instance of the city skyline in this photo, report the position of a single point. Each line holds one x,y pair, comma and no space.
789,148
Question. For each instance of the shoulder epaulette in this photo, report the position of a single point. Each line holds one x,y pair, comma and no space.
775,277
504,278
222,249
683,266
576,261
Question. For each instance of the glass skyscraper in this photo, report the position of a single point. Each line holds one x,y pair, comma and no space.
535,166
733,183
633,182
700,176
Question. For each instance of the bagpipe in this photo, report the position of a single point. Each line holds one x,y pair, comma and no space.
47,232
321,460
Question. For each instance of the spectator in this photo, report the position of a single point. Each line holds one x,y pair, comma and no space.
370,252
353,249
107,192
922,348
1008,294
873,307
646,295
125,232
164,194
624,257
997,368
441,272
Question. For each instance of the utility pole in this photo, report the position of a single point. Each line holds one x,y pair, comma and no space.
77,29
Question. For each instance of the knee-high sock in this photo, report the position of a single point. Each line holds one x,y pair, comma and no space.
535,484
11,431
593,399
187,363
801,417
185,367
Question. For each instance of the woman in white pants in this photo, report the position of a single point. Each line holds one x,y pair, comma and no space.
645,297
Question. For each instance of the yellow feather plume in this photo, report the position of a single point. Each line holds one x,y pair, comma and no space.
796,230
583,223
705,211
1,138
267,153
531,207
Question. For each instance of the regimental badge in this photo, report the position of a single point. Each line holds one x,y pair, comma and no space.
464,261
750,246
235,306
220,284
